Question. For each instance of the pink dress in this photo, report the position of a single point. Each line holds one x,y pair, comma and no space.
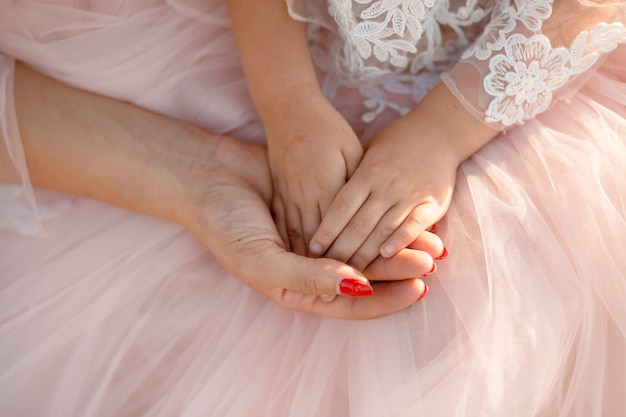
104,312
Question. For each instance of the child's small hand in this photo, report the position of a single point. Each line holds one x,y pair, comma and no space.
312,153
403,185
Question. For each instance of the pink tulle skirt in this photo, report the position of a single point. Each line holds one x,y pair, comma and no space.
104,312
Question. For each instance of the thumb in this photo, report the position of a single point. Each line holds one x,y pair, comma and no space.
318,276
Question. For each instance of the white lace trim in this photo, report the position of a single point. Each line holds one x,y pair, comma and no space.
401,38
392,48
523,78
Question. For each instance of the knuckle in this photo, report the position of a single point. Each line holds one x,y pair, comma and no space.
309,285
357,226
415,222
341,210
404,235
388,230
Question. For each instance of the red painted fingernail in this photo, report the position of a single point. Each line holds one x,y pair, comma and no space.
423,294
355,288
431,271
434,228
444,255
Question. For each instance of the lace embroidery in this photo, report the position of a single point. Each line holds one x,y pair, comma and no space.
531,13
393,52
523,79
401,37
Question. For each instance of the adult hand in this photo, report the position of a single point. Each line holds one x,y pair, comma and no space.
219,188
228,213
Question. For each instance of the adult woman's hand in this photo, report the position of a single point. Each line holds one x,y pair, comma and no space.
215,186
229,214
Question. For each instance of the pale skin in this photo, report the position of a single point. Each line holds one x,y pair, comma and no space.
312,149
402,185
215,186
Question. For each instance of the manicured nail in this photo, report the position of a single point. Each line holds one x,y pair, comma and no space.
431,271
316,248
444,255
355,288
423,294
434,228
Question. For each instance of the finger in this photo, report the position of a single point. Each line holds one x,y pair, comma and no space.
407,263
430,243
352,156
347,202
358,230
389,297
280,219
416,222
310,220
294,230
312,276
370,248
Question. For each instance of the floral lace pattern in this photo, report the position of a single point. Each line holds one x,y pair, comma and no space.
523,79
393,48
413,40
530,13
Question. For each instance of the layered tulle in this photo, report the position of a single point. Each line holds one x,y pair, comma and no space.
110,313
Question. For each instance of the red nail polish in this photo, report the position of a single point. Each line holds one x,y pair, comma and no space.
444,255
431,271
423,294
434,228
355,288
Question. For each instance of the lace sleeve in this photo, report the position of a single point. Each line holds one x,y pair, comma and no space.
528,52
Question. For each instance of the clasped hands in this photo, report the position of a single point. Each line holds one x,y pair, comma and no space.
333,199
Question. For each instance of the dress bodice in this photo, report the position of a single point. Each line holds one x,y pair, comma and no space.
504,59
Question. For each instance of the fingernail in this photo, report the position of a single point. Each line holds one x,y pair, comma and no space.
315,248
434,228
353,287
444,255
423,294
388,249
431,271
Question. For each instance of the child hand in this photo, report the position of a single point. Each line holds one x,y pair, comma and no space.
403,185
312,153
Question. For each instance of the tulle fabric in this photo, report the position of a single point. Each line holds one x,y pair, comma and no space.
110,313
18,210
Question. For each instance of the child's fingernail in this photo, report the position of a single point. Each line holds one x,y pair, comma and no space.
353,287
431,271
423,294
315,248
444,255
388,249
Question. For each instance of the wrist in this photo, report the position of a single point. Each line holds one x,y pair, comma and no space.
454,129
290,106
179,174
